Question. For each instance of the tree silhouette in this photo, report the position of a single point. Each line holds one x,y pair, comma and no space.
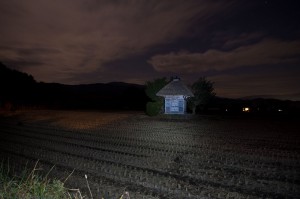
203,93
152,87
16,87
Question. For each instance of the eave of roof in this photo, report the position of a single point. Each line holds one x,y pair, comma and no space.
175,87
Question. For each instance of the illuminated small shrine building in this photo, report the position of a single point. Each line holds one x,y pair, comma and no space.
175,94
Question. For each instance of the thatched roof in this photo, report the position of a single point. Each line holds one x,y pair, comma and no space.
175,87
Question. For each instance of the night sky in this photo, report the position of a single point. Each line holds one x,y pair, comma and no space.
247,47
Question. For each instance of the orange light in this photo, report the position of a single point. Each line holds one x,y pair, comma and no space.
246,109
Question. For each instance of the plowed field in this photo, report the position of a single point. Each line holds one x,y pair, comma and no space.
158,157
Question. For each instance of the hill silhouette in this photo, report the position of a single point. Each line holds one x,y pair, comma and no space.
20,90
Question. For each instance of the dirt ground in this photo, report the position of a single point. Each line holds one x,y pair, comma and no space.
70,119
158,157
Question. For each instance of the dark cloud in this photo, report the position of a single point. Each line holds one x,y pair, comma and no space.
228,40
91,33
261,53
280,82
93,41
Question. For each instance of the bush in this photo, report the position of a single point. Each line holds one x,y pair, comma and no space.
153,108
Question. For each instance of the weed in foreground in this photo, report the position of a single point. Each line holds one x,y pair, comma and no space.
30,185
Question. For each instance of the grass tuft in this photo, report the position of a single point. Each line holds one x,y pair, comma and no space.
30,185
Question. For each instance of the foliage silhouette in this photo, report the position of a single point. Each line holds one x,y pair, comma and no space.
152,87
20,90
203,93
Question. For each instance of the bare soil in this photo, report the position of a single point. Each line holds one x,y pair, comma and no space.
157,157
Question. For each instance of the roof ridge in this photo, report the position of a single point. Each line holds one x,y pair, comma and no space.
175,88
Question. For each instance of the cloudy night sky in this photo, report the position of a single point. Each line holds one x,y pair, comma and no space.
246,47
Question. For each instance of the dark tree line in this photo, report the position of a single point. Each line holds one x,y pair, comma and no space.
19,89
205,101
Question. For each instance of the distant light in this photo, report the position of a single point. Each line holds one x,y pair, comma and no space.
279,110
226,110
246,109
